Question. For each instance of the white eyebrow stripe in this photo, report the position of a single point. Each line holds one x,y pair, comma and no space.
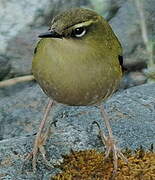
87,23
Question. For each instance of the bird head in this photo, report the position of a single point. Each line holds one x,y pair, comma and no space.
77,24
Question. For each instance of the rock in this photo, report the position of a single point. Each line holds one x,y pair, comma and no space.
132,114
10,91
133,79
126,25
114,6
5,66
150,73
20,124
16,15
136,78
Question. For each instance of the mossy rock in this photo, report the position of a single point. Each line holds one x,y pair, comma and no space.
91,165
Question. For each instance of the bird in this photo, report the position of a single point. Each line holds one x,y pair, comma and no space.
78,62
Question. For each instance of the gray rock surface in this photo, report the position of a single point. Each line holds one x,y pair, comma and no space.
132,114
132,79
16,15
113,7
5,66
126,24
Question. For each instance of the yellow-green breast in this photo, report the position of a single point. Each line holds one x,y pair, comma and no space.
81,71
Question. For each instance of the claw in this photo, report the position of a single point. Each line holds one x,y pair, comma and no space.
110,142
38,148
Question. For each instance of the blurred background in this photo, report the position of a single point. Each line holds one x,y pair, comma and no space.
133,21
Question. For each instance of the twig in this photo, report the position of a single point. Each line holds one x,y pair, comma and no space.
16,80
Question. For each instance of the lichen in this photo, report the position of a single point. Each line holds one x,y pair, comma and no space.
91,165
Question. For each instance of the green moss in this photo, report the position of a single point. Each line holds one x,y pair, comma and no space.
91,165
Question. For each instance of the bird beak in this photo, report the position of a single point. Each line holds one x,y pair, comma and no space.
50,34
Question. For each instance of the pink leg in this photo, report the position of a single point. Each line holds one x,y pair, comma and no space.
109,141
41,137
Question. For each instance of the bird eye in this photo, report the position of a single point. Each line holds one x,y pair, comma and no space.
79,32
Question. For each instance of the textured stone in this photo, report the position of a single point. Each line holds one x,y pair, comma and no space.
5,66
133,79
132,114
126,25
16,15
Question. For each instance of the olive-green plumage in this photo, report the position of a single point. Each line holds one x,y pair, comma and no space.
78,69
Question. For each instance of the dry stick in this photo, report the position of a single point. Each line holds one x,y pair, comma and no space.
140,9
16,80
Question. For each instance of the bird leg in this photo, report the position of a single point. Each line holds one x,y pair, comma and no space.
41,138
109,141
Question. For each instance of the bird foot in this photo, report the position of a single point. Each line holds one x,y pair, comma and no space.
111,147
38,148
